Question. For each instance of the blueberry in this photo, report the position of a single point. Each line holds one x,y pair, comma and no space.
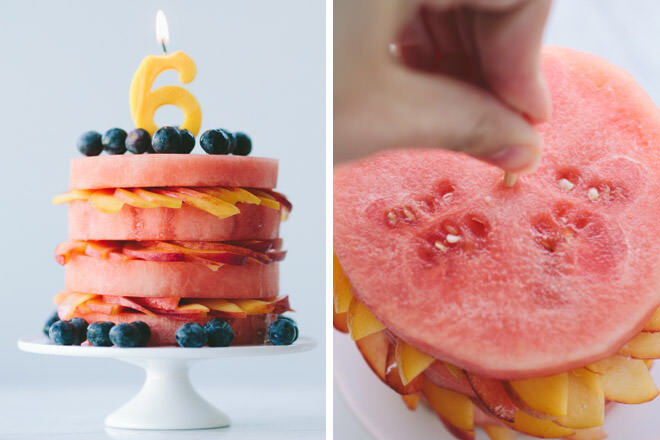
125,335
52,320
145,332
219,333
191,334
62,333
166,140
217,141
138,141
243,144
187,141
283,332
114,141
98,333
81,329
89,143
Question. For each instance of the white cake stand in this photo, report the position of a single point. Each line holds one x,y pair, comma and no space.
167,399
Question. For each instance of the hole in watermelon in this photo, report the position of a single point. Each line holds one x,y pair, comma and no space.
477,225
570,174
442,193
609,191
546,232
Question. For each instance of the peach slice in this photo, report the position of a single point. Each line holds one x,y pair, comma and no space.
341,288
586,401
160,199
454,370
233,196
546,395
411,401
493,396
625,380
205,202
411,361
538,428
393,378
454,409
193,308
266,199
499,432
227,308
70,196
254,306
70,301
654,323
340,321
374,349
361,322
643,346
103,200
588,434
132,199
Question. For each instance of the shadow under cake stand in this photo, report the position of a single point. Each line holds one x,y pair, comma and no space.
167,399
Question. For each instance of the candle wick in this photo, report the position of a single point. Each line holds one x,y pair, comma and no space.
162,42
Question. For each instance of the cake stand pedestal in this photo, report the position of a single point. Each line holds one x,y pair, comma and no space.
167,399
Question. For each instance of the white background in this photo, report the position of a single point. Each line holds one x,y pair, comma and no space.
624,32
66,68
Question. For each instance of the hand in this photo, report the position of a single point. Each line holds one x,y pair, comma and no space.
464,75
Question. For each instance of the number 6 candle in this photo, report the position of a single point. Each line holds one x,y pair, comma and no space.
144,101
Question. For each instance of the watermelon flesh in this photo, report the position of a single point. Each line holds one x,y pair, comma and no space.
511,283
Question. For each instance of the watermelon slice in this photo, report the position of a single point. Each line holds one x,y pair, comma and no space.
247,331
171,279
185,223
155,170
511,283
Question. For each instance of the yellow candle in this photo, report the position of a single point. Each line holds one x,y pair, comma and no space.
144,101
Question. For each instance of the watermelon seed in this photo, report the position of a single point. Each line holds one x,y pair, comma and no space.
439,245
451,238
391,218
408,214
451,229
592,194
566,184
447,197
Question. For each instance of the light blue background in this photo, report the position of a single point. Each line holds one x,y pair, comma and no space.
624,32
66,68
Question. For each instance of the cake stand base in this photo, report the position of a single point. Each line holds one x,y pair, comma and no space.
167,399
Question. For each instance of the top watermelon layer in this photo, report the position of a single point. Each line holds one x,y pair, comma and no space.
158,170
554,273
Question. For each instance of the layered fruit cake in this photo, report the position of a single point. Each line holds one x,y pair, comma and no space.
186,244
526,309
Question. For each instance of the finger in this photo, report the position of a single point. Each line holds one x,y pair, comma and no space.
425,111
508,44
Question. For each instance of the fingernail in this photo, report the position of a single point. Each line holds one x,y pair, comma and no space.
516,158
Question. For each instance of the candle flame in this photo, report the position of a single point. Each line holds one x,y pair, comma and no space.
162,32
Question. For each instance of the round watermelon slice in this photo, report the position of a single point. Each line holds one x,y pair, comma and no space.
171,279
250,330
156,170
186,223
552,274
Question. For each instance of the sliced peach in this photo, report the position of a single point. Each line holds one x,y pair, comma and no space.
454,409
492,394
233,196
266,199
204,202
547,395
625,380
254,306
411,361
65,250
340,321
341,287
643,346
361,322
160,199
393,378
538,428
411,401
193,308
225,307
586,401
70,301
654,323
588,434
99,306
132,199
454,370
374,349
70,196
103,200
57,299
499,432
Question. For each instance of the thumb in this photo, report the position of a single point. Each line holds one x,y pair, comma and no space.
424,110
